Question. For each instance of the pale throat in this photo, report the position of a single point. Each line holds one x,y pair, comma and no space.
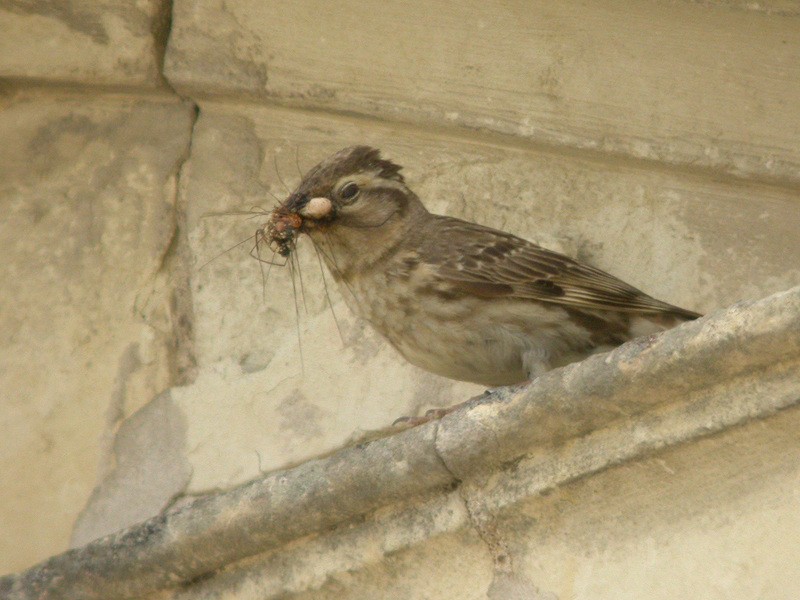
349,251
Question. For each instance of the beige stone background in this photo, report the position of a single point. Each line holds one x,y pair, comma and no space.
659,140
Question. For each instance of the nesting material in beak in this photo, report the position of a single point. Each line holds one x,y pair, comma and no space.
281,231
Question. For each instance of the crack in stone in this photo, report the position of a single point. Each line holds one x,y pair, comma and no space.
479,518
506,584
176,264
161,30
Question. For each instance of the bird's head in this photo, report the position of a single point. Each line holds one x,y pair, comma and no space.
351,200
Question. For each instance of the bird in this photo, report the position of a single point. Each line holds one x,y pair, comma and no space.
456,298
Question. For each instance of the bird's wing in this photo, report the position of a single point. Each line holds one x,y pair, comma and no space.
481,261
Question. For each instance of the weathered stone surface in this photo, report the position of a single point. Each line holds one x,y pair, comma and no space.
88,189
188,541
451,566
345,551
715,519
679,82
712,519
781,7
112,42
193,540
149,470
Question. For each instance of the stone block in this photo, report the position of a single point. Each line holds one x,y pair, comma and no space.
88,190
107,42
714,519
688,83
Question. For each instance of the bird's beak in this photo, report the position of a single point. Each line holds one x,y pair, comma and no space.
317,208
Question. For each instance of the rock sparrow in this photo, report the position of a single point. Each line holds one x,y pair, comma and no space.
456,298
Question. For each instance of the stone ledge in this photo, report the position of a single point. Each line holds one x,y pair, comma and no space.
734,365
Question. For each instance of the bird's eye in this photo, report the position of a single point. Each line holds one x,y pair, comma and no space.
349,191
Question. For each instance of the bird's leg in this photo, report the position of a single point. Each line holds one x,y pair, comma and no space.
535,361
404,423
431,415
435,413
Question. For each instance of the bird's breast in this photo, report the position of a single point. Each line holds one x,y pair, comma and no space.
435,331
495,341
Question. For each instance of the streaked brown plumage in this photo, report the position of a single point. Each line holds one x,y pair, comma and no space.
457,298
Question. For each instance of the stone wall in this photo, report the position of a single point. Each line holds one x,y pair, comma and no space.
656,140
